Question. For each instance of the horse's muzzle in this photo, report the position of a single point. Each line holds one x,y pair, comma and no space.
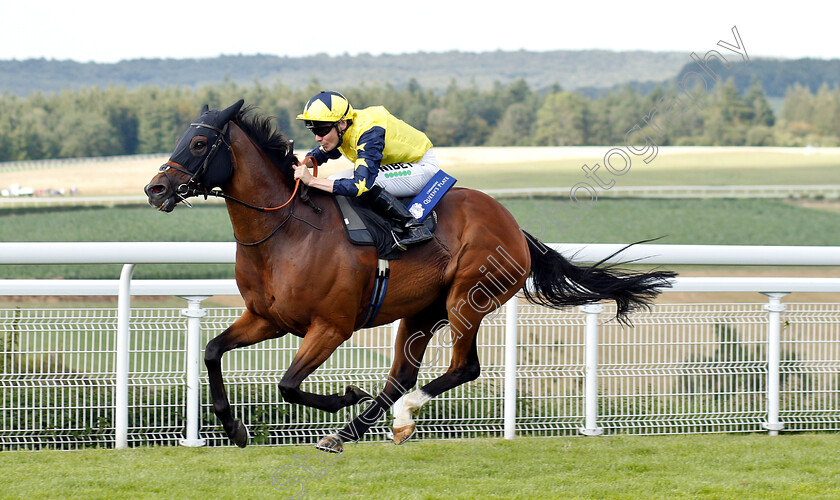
161,196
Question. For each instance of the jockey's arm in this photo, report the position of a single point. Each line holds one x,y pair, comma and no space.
369,155
369,152
306,177
302,173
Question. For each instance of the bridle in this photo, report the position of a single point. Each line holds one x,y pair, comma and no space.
191,187
195,187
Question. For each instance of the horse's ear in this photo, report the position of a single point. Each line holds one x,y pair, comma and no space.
204,109
230,112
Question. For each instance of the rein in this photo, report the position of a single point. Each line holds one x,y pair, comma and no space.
219,194
273,232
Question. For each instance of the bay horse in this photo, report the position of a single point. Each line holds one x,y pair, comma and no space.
298,273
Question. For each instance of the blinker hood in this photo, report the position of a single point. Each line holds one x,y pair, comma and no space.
211,124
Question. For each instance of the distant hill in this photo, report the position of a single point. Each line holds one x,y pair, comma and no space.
569,69
591,72
777,75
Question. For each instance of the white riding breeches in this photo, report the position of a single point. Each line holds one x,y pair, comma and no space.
402,179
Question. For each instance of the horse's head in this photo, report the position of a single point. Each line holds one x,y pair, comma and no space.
201,160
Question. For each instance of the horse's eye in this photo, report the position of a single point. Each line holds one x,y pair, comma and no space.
198,146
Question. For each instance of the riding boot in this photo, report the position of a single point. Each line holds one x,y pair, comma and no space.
414,231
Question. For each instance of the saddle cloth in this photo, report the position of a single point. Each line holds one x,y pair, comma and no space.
367,228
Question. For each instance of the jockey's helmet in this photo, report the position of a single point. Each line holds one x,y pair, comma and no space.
326,108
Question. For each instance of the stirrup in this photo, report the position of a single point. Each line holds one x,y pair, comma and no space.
398,245
420,234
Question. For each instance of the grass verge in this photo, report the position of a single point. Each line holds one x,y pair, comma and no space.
692,466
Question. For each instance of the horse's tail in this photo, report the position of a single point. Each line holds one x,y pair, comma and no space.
557,283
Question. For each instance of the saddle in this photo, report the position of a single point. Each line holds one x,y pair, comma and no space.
367,228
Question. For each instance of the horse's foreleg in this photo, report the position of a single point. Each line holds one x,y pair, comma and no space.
412,338
318,344
247,330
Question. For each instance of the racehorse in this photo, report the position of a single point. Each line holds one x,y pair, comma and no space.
298,273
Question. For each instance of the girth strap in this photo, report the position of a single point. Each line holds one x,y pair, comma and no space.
380,286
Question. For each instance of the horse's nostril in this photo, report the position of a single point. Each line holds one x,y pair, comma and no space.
157,189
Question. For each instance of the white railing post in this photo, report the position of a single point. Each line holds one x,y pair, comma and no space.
194,313
590,398
774,352
123,338
511,342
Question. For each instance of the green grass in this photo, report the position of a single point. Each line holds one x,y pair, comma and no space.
693,466
673,169
691,221
127,223
123,223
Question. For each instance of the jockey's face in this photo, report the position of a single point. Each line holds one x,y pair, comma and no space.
330,140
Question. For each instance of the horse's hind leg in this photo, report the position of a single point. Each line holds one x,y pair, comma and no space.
464,367
465,317
247,330
487,276
413,336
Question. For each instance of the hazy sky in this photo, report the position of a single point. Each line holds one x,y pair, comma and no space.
109,31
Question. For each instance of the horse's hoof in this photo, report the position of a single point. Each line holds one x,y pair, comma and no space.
359,394
401,434
239,435
330,444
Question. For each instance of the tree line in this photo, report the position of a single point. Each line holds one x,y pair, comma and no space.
119,121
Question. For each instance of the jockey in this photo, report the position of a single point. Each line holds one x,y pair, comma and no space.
391,158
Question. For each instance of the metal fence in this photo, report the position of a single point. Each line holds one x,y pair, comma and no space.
683,368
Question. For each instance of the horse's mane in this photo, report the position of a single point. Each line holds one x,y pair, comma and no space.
261,130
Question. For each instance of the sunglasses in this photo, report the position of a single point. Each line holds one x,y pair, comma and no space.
321,131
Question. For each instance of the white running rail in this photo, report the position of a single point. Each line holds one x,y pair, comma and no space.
194,291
